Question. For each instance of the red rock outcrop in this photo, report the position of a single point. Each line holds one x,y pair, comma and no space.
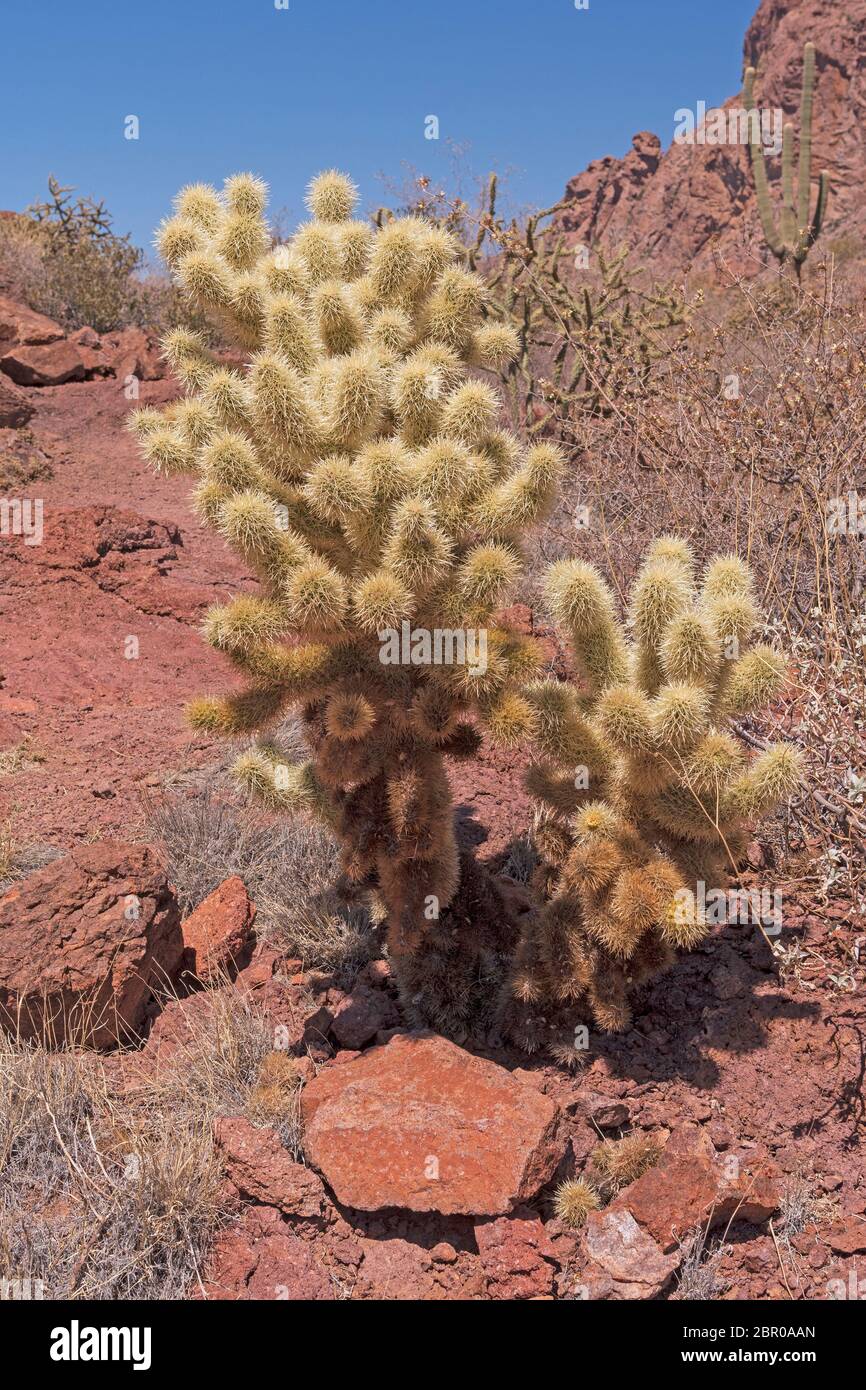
18,324
679,208
260,1167
624,1262
50,364
15,409
83,944
217,933
35,351
421,1124
694,1186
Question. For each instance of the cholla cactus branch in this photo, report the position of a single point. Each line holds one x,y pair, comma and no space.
360,471
642,794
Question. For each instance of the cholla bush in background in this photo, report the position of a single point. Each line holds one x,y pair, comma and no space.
662,790
359,470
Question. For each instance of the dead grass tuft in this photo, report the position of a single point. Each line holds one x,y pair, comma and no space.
289,867
111,1190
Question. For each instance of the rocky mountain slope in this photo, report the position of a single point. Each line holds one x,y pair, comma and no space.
691,205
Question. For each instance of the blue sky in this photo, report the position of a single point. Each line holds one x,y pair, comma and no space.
534,87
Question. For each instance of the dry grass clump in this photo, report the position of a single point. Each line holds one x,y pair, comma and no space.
615,1163
289,867
275,1098
112,1191
20,757
801,1206
23,463
698,1277
17,861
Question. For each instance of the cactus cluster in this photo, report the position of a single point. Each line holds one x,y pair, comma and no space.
354,462
642,792
797,231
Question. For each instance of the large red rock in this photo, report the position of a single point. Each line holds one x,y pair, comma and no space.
421,1124
15,409
18,324
261,1167
694,1186
46,365
83,944
218,932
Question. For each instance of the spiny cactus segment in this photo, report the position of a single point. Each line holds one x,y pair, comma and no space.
796,233
642,791
358,468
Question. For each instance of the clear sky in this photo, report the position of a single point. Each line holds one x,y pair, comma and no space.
536,87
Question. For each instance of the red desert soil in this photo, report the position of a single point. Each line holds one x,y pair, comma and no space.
123,557
768,1069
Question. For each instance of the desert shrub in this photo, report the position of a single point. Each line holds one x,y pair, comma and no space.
64,259
360,471
589,329
645,794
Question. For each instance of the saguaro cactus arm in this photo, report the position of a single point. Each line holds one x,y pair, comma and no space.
796,233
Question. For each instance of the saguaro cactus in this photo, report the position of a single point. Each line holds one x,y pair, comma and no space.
796,232
642,792
360,472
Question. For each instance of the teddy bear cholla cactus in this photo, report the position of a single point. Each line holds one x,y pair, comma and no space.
662,791
358,469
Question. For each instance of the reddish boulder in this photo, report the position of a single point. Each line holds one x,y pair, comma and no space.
133,352
361,1015
623,1261
516,1256
48,365
288,1270
218,932
15,409
18,324
260,1167
83,944
421,1124
694,1186
261,1258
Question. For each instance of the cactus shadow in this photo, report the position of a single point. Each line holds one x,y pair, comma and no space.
721,1000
